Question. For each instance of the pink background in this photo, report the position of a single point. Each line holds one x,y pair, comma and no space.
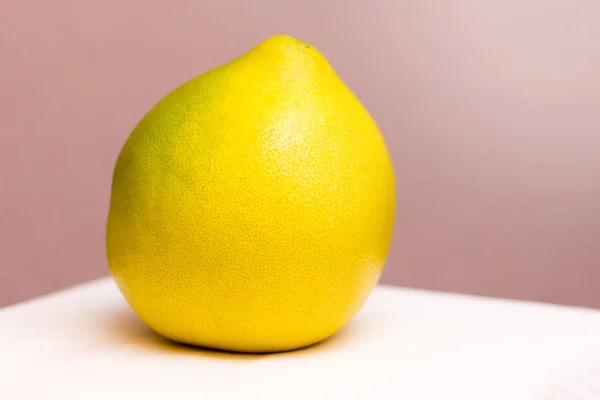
490,109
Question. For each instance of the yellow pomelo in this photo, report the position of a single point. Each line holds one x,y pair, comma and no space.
252,208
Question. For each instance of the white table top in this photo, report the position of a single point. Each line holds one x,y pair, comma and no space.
85,343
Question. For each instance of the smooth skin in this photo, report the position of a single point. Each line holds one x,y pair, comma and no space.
252,208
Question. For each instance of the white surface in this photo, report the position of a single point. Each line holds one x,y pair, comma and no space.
85,343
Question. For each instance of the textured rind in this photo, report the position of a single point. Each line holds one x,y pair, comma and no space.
252,208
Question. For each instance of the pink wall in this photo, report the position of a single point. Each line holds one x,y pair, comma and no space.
490,109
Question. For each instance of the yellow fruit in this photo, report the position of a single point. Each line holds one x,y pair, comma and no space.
252,207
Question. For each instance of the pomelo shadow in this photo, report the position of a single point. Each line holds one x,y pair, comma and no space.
125,328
